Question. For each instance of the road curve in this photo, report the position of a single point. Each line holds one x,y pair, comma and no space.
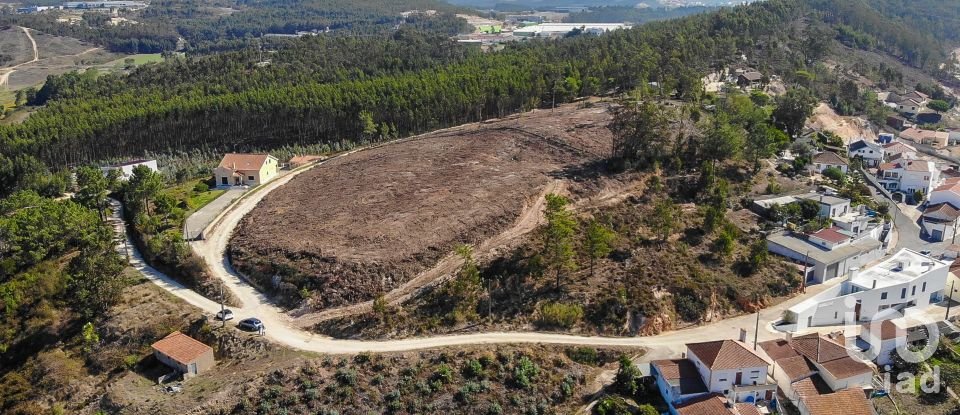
281,328
5,76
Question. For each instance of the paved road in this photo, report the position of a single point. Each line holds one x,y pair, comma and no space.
908,231
199,220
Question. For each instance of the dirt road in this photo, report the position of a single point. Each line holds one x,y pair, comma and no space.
5,76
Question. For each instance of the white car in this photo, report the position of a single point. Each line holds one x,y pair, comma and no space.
224,315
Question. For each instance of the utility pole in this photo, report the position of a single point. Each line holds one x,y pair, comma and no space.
949,299
756,331
803,280
223,319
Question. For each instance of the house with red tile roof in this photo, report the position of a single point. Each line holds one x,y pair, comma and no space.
716,404
246,169
827,159
818,375
728,368
830,237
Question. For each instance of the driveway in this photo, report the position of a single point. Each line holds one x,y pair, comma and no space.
199,220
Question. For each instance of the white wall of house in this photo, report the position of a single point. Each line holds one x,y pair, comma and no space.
884,347
871,156
925,181
831,307
722,381
942,196
941,231
856,381
126,170
820,167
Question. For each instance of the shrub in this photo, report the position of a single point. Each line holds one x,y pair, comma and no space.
473,369
346,376
444,373
560,314
201,187
834,174
524,372
773,188
494,409
131,361
583,355
611,405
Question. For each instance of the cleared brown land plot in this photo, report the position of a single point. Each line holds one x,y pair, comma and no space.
366,223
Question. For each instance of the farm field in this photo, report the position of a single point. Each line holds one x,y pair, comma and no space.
368,222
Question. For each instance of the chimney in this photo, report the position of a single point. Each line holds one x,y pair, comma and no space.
853,272
789,336
743,335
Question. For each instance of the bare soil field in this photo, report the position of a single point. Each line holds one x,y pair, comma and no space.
366,223
848,128
15,44
58,55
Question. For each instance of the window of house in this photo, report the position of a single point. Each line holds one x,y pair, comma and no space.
250,178
883,296
834,314
923,288
903,292
722,379
913,291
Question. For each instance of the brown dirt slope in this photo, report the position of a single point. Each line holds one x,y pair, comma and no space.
368,222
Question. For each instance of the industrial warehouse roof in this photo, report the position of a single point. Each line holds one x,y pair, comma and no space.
821,255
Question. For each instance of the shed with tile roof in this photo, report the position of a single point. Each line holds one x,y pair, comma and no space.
184,353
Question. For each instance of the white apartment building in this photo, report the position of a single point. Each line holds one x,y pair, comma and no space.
906,279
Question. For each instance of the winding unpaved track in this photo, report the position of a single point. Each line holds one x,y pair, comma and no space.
5,76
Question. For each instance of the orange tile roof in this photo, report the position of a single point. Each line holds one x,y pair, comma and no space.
746,409
848,401
796,367
832,356
713,404
236,161
831,234
829,157
181,348
683,372
726,354
778,349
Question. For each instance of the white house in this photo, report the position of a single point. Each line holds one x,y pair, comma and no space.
940,221
126,168
728,368
947,192
818,375
906,279
830,206
883,336
826,160
829,253
871,153
908,176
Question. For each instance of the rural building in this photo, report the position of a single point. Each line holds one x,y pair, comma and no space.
939,221
883,336
827,159
908,176
830,206
829,253
870,153
892,149
884,138
126,168
749,79
896,122
561,29
524,18
184,354
246,169
299,161
906,279
727,368
931,138
715,404
817,374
